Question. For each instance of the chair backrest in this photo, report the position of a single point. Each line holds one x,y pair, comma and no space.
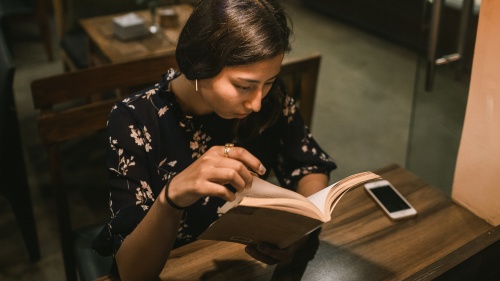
77,104
80,97
301,77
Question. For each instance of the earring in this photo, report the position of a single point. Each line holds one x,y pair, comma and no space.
196,85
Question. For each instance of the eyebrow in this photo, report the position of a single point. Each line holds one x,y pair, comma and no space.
256,81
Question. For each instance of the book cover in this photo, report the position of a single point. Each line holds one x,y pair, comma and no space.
272,214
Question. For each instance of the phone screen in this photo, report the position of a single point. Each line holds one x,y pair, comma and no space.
389,198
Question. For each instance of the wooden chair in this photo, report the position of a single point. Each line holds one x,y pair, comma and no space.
71,107
301,76
14,186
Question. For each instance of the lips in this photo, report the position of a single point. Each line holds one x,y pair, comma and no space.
242,115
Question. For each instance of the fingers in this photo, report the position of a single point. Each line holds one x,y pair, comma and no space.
213,189
275,252
239,163
258,255
238,177
270,254
242,155
211,174
228,164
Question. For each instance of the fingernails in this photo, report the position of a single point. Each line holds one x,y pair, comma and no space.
262,169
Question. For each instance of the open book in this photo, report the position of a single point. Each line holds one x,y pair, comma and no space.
269,213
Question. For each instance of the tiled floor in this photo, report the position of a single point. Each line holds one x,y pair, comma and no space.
361,118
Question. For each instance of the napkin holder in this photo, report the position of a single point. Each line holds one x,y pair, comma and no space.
129,26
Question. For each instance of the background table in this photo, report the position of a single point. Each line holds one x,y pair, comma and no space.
104,47
359,243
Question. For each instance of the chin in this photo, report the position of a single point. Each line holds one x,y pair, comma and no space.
227,116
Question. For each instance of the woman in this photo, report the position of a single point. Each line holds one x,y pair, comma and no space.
181,149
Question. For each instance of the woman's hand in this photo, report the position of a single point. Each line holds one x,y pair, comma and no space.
209,173
270,254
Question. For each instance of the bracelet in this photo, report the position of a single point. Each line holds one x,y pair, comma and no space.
169,201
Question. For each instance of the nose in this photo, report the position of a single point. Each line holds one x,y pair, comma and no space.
254,102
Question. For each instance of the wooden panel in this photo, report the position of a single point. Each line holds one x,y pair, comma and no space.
71,124
477,174
88,82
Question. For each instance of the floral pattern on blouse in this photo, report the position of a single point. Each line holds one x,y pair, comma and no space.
152,140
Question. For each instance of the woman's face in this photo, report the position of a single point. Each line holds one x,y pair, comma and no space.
238,91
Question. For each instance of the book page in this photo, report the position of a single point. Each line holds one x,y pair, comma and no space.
263,189
344,185
327,198
319,198
323,200
299,207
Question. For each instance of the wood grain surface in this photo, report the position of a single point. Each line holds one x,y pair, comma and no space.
360,243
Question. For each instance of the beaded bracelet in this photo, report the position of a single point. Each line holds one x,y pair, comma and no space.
170,202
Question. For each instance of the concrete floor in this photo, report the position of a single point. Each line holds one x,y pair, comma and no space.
361,118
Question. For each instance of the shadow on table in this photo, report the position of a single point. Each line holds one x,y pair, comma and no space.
252,272
334,263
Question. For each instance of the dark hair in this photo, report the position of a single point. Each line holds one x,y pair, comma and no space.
222,33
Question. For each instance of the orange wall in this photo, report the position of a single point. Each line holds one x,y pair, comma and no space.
477,174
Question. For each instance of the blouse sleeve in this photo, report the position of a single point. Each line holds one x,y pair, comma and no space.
299,153
133,185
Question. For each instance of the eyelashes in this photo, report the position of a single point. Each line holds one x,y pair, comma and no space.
243,88
251,88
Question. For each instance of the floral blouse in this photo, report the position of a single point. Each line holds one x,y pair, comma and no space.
151,140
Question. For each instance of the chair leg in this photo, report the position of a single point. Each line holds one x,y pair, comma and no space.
43,26
23,211
67,236
18,192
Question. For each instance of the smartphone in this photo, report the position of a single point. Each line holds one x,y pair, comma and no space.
390,200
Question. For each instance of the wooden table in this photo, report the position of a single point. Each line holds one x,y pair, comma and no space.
360,243
105,47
